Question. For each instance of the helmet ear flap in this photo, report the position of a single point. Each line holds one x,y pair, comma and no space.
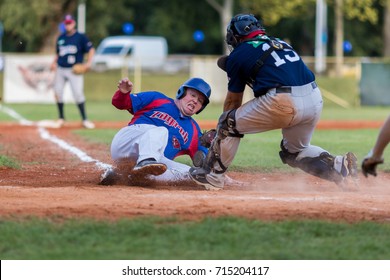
231,39
180,92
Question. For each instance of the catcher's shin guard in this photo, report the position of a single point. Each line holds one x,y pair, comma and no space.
214,156
321,166
226,127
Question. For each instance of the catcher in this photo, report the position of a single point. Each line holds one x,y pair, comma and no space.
375,156
286,97
68,63
161,129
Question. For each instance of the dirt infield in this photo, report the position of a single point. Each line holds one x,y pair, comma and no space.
53,182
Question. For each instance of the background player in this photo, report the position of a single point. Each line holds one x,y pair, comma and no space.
286,97
161,129
375,156
70,49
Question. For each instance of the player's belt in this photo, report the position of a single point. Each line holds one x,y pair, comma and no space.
289,89
283,90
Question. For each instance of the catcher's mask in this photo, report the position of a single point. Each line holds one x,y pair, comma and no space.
199,85
240,26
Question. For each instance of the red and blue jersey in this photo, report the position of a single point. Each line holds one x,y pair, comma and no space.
155,108
71,49
281,68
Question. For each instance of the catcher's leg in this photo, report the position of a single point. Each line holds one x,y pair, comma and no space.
220,154
318,162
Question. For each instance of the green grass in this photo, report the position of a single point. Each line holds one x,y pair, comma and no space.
212,238
9,162
220,238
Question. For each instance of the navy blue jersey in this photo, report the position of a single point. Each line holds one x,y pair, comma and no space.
281,68
155,108
71,49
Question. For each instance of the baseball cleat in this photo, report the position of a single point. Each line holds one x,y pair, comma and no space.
149,166
88,124
352,164
210,181
60,123
349,167
109,178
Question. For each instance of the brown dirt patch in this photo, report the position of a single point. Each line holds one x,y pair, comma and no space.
53,182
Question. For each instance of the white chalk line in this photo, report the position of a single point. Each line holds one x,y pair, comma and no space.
44,134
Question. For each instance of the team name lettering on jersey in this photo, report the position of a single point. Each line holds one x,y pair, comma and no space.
64,50
168,120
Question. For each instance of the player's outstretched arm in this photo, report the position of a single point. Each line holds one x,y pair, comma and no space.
121,99
375,156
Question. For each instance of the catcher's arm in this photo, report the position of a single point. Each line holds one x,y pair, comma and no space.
374,157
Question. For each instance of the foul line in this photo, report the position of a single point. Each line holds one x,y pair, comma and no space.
61,143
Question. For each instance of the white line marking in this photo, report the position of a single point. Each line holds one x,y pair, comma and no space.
72,149
61,143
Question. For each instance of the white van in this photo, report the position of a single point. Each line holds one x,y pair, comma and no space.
147,52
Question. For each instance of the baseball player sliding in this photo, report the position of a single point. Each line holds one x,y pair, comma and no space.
286,98
161,129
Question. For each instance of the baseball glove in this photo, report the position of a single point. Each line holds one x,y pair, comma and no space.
199,158
369,165
207,137
79,68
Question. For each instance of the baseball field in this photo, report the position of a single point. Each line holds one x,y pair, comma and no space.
52,207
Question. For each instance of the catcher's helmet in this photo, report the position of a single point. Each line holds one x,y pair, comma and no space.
199,85
241,25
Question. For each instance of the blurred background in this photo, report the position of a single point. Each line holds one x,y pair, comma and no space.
336,38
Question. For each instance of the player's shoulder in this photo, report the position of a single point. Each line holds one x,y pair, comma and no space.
154,96
155,93
197,126
61,36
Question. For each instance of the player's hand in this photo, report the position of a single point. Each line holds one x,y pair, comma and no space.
53,66
125,86
369,165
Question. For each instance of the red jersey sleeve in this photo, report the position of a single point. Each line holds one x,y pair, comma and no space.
122,101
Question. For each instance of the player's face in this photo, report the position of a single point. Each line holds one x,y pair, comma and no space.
192,102
69,27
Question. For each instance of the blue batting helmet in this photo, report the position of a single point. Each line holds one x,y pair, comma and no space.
199,85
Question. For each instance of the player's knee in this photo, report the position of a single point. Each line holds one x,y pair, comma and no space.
227,125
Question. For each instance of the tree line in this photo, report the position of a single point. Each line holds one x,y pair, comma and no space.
195,26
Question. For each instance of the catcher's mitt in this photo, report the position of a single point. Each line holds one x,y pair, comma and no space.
79,68
207,137
369,165
199,158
